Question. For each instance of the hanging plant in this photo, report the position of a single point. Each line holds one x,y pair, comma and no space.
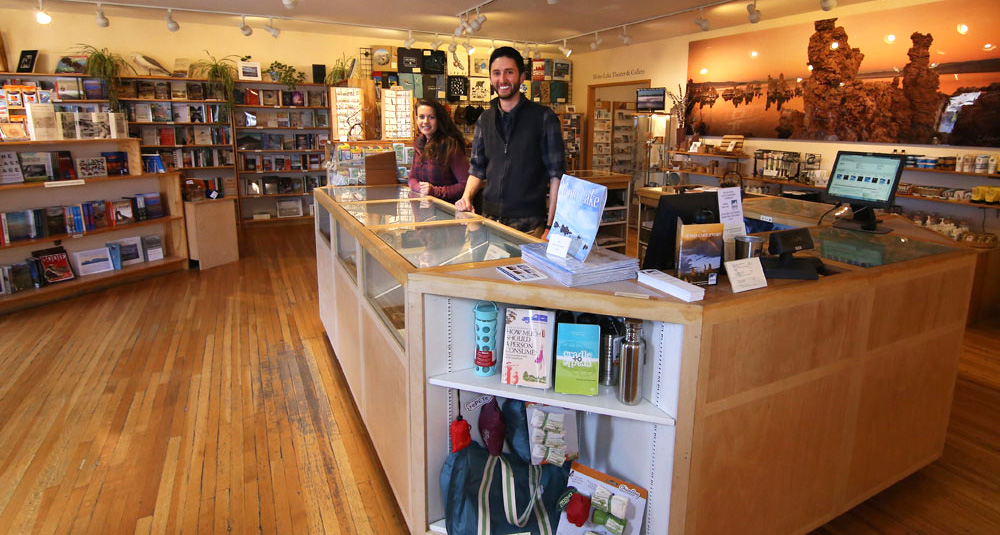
285,74
220,72
108,66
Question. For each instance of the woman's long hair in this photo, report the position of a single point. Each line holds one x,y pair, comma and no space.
446,138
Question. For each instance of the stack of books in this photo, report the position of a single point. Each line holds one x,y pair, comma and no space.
602,265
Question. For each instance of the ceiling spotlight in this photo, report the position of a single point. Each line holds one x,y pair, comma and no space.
597,41
453,46
752,13
269,27
247,31
41,15
468,46
478,22
460,29
436,43
704,24
408,43
290,4
102,21
827,5
565,49
171,23
624,36
538,51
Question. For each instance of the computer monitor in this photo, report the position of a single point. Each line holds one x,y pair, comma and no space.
865,180
691,208
650,99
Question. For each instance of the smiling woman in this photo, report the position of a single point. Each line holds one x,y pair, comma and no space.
440,166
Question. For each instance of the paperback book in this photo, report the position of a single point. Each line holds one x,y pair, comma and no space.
527,347
578,215
699,253
92,261
55,264
577,358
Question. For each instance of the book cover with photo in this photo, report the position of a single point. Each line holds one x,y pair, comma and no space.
699,253
55,264
10,169
579,207
92,261
130,250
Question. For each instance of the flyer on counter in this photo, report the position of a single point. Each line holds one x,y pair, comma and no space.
731,215
521,272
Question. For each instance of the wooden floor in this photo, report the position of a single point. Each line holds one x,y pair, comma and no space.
210,402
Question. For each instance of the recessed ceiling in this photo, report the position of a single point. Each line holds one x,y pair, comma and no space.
534,21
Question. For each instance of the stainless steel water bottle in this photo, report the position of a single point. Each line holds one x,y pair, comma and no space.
611,339
633,353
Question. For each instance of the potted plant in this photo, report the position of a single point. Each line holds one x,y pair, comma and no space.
108,66
341,70
219,71
285,74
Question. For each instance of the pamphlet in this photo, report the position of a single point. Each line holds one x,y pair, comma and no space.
521,272
579,207
699,255
746,274
731,215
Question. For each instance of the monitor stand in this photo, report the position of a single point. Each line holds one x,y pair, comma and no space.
863,219
787,266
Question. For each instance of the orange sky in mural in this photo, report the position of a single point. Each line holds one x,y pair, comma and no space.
783,50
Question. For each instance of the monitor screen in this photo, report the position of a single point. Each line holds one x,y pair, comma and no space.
650,99
865,178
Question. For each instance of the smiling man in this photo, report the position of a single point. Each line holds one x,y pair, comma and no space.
517,151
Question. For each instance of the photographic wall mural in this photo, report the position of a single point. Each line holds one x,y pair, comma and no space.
922,74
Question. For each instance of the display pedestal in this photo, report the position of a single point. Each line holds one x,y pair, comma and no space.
211,227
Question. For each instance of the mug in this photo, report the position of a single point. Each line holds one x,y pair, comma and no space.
748,247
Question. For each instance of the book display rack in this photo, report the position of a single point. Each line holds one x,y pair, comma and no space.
85,214
280,135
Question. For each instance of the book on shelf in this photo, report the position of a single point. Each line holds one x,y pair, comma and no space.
181,113
178,90
55,264
289,208
527,347
86,128
13,132
195,91
36,166
117,163
153,205
19,277
578,348
121,213
17,226
115,252
153,163
146,89
55,220
10,169
66,166
41,121
161,90
119,125
130,250
93,88
92,261
91,167
699,253
269,97
127,90
161,112
152,246
142,112
68,88
67,124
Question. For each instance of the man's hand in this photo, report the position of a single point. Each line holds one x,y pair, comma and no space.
464,205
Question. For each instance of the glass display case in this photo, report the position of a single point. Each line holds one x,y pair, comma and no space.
870,250
458,243
344,194
347,250
371,214
386,296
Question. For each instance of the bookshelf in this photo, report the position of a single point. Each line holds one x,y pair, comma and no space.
280,135
572,129
67,92
600,142
348,159
21,197
186,122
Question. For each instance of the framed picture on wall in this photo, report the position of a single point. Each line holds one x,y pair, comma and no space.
26,63
249,70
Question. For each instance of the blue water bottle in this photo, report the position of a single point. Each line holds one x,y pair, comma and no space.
486,338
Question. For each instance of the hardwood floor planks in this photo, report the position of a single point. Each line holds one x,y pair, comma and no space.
211,402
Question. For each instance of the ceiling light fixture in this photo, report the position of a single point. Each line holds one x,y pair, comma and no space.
752,13
624,36
702,22
468,46
102,21
436,43
453,46
408,43
827,5
565,49
460,29
538,51
41,16
597,41
171,23
269,27
247,31
477,22
553,2
290,4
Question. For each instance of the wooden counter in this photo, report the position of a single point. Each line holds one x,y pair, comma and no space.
768,412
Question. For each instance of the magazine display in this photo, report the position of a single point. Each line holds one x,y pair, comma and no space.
579,207
602,265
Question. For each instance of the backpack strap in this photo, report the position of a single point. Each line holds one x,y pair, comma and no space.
510,498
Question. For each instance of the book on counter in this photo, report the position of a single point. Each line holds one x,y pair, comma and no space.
527,347
602,265
699,253
579,208
578,348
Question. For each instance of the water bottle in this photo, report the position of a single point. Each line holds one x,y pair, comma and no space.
630,368
486,338
611,339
